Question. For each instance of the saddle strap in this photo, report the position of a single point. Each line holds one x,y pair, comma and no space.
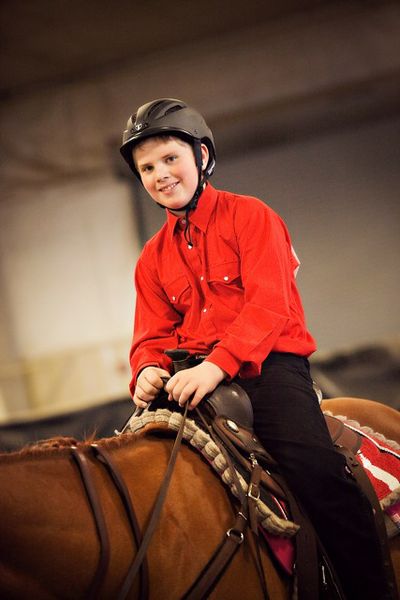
240,449
211,573
305,539
83,466
366,486
253,495
248,505
223,555
342,435
220,560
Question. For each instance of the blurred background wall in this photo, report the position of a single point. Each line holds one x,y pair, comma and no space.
304,100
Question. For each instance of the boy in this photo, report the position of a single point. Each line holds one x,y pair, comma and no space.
218,279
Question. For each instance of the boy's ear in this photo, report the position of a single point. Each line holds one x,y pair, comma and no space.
204,156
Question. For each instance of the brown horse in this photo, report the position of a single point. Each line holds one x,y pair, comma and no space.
48,542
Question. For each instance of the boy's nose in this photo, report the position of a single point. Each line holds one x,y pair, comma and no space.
162,172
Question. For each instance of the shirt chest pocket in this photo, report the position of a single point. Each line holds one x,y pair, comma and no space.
225,277
179,293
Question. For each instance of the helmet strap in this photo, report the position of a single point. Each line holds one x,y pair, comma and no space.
202,178
192,204
200,187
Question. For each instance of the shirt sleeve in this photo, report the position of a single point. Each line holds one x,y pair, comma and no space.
267,271
154,326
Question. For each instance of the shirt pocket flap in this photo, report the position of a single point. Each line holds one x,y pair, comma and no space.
176,289
224,273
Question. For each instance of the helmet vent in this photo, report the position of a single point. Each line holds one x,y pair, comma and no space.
154,108
173,109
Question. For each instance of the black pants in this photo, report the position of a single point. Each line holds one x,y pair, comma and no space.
290,424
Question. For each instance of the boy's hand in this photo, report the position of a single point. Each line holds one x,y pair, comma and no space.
197,382
148,385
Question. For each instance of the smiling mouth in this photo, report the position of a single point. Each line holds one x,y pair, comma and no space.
169,187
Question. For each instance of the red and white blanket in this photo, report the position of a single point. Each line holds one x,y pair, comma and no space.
381,460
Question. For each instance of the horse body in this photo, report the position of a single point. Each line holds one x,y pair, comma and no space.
380,417
49,547
48,522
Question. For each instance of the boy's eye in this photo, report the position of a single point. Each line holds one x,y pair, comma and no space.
171,158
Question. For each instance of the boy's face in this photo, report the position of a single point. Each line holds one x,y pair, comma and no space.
168,170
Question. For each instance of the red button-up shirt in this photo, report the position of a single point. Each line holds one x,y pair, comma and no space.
232,295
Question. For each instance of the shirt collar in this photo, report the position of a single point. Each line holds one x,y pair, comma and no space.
200,216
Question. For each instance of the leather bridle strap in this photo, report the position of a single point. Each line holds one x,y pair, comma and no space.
214,569
306,546
105,458
82,463
140,555
253,495
211,573
217,564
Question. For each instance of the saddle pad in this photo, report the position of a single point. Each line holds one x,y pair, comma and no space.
381,461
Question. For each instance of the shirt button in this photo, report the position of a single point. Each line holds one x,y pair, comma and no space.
226,278
190,246
173,298
183,221
201,278
204,310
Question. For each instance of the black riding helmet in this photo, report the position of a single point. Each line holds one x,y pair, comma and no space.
168,116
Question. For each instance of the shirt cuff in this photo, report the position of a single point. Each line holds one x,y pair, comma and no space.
223,359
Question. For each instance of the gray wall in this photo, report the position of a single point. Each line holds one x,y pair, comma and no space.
339,194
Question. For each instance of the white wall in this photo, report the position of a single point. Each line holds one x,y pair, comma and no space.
68,254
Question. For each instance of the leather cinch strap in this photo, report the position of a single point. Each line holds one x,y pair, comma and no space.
211,573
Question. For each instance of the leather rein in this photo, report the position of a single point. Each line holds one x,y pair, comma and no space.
221,558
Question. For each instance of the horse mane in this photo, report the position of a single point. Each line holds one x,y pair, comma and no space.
62,445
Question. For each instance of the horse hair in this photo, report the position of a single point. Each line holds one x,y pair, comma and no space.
62,445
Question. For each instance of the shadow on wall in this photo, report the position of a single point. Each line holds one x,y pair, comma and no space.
371,372
97,422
